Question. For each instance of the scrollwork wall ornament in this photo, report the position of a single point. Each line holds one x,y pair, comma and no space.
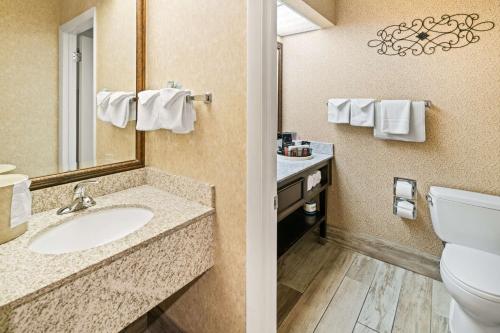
427,35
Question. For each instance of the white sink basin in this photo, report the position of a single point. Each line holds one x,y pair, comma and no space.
91,230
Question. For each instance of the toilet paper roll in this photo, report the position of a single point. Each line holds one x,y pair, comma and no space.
405,209
404,189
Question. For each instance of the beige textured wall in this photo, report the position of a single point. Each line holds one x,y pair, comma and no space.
28,85
463,127
116,63
324,7
72,8
116,60
202,44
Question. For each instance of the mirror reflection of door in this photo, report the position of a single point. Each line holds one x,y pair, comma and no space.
85,154
77,122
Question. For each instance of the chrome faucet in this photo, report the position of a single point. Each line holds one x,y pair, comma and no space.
80,199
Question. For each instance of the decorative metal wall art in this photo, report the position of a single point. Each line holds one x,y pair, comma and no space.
427,35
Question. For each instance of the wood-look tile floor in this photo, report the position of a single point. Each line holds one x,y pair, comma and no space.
327,288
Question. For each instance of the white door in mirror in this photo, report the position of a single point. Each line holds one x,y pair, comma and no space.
91,230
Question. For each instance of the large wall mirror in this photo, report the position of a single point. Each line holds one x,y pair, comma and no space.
70,71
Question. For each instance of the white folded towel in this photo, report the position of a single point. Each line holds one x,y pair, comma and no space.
417,124
185,124
118,110
395,116
148,109
310,182
313,180
363,112
317,177
102,101
177,114
20,202
339,110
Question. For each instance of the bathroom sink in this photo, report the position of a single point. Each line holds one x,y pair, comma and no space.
91,230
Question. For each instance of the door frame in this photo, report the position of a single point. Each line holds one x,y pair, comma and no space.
262,121
67,88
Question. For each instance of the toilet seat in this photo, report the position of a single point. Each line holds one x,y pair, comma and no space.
475,271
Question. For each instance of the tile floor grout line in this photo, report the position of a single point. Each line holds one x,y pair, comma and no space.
291,287
335,293
397,304
284,319
432,312
307,287
366,327
319,270
366,296
313,277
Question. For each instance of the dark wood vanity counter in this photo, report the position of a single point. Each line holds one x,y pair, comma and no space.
293,222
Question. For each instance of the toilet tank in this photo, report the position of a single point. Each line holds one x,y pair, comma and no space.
466,218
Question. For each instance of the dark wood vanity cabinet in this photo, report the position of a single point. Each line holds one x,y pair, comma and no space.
290,195
293,222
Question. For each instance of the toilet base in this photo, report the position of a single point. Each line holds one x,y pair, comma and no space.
461,322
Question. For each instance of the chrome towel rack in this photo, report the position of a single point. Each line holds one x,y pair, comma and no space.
206,98
428,104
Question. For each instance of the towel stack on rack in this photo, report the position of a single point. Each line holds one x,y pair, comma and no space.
401,120
170,108
116,107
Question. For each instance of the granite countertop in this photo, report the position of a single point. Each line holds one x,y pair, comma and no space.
25,275
288,168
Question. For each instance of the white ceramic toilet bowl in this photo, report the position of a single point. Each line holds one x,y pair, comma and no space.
472,277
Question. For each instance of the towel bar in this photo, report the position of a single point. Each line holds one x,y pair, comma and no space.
428,104
206,98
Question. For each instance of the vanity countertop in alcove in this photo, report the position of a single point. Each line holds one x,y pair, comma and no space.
107,287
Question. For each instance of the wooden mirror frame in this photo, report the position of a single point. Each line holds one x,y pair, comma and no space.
140,152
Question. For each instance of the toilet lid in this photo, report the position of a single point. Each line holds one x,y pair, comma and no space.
478,271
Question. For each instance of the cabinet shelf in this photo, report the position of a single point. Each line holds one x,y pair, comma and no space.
295,226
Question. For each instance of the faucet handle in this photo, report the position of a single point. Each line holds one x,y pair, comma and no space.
79,190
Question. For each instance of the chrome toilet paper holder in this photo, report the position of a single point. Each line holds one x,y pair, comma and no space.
397,199
412,182
395,207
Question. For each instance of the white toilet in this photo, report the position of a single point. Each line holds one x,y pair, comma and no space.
470,265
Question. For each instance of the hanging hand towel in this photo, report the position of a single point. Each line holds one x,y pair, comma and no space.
339,111
395,116
417,124
119,108
177,114
185,124
102,101
363,112
148,110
